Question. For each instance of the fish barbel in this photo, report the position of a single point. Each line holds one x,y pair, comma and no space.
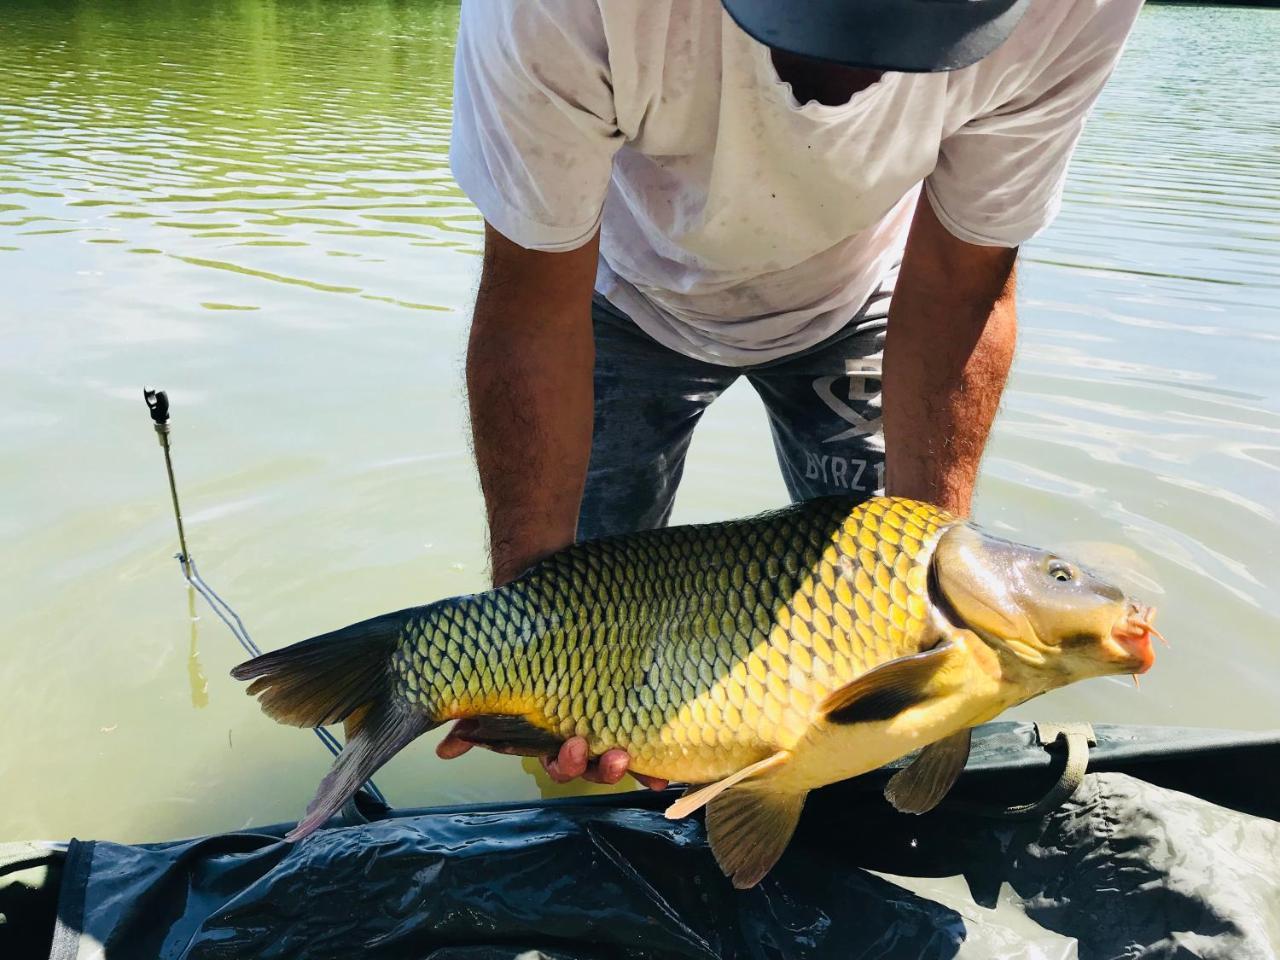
761,658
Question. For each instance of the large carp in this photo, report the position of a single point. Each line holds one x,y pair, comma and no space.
759,659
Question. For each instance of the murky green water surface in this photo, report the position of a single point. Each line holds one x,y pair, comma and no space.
248,202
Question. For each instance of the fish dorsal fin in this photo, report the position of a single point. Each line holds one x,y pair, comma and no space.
885,691
921,785
696,798
749,827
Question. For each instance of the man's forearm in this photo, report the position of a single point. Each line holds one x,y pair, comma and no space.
529,388
950,343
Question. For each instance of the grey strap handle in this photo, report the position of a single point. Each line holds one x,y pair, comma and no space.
1077,738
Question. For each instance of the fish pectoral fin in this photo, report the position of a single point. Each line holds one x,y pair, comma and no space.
696,798
921,785
509,734
749,827
885,691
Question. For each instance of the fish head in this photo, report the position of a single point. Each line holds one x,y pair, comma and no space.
1049,620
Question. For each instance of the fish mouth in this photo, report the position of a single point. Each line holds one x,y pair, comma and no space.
1131,638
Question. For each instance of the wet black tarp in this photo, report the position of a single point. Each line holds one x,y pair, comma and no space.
1170,848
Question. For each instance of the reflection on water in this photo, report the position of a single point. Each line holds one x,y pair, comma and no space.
195,670
248,202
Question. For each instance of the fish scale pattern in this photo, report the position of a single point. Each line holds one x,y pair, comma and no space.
698,649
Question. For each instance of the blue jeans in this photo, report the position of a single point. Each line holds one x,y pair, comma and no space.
823,406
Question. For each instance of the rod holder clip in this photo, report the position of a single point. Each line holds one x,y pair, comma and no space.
158,404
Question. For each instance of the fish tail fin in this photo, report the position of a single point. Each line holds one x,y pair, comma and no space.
345,676
376,732
325,679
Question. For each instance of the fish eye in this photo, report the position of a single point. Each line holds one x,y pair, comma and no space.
1061,571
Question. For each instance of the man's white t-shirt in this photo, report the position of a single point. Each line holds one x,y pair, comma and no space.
737,225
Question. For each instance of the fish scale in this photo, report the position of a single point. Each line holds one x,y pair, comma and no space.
734,632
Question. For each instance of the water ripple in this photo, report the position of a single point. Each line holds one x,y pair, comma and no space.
293,134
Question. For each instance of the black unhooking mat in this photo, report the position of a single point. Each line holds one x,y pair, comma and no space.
1168,848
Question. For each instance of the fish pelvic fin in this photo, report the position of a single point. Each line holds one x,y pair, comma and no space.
701,796
749,818
921,785
893,687
749,827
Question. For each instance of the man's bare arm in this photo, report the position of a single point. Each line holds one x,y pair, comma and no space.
950,342
529,387
530,362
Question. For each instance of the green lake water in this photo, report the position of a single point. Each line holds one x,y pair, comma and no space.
248,202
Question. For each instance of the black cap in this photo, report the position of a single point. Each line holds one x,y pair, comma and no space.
911,36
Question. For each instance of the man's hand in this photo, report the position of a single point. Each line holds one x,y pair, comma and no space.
950,341
571,762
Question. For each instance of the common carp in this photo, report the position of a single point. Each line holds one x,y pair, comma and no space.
756,659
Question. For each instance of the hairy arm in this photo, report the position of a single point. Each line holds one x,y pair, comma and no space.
529,388
950,342
530,362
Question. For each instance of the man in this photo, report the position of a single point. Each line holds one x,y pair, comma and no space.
824,196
